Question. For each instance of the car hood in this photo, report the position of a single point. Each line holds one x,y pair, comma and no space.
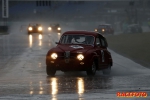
74,48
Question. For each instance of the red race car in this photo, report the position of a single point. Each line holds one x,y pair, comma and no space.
79,51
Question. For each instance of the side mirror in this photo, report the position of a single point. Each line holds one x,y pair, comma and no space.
98,44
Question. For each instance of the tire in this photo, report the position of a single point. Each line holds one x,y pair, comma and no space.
92,70
50,71
107,70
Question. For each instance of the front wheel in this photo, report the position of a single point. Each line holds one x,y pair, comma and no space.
50,71
92,69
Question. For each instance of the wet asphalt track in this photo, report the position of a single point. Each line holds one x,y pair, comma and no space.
23,76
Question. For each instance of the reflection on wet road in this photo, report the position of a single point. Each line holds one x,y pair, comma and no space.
30,40
40,40
31,37
80,86
24,74
56,85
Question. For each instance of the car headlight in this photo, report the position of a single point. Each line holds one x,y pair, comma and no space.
96,30
49,28
30,28
80,57
103,30
54,55
40,28
59,28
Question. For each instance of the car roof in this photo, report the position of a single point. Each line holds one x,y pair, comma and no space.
82,33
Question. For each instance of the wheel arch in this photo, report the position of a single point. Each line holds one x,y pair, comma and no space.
95,59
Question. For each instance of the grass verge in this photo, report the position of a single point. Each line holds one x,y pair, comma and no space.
133,46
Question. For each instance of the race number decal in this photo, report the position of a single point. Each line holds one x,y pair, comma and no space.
102,53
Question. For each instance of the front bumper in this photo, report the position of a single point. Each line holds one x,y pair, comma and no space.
70,64
35,30
105,32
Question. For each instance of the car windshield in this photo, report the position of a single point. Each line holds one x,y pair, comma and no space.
32,24
54,25
77,39
101,26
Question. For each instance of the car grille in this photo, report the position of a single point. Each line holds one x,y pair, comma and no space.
63,55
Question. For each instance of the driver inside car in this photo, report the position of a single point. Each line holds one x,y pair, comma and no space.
73,40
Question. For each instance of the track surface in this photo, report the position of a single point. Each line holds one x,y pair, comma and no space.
23,75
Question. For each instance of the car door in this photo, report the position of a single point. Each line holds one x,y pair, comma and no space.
100,49
104,52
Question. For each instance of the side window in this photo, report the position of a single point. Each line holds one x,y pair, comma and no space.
103,42
106,44
98,40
